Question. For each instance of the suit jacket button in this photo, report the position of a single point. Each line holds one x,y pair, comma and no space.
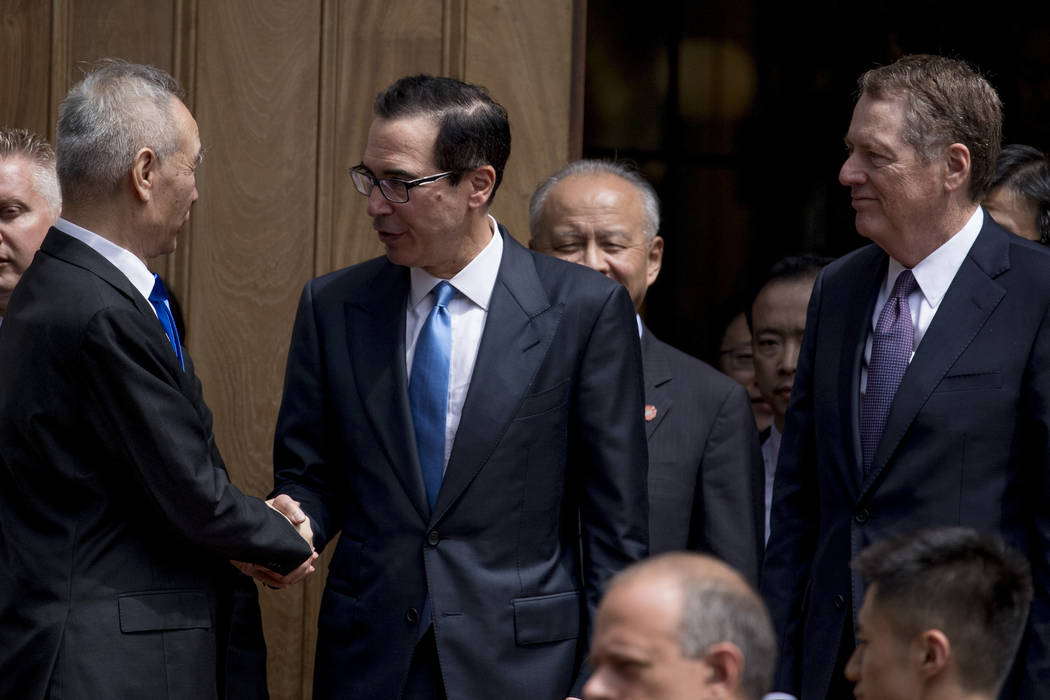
861,516
840,602
432,538
412,616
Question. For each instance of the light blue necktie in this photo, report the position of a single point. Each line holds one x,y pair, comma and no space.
159,298
428,389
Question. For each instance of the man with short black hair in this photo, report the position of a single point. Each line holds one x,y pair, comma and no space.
681,626
942,617
777,320
465,414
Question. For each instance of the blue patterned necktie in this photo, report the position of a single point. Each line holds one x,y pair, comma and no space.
428,389
891,349
159,298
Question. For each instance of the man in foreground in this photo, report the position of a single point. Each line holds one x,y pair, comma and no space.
942,617
681,626
467,416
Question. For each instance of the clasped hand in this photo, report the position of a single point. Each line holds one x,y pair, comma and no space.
289,509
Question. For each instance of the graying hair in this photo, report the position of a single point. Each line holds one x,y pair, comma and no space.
118,109
714,612
15,143
650,202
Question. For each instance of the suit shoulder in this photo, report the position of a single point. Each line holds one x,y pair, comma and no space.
348,282
568,280
689,369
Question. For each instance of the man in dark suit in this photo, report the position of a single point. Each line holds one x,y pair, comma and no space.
705,487
460,412
117,517
923,388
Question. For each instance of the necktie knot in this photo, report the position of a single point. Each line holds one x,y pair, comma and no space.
159,293
443,291
904,285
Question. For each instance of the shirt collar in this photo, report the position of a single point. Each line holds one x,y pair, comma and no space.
475,281
123,259
935,272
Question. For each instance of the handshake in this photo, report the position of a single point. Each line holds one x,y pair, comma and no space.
289,509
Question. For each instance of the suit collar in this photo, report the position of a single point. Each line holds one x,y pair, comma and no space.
658,375
519,329
971,298
73,251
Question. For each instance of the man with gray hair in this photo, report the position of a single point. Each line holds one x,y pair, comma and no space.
680,626
705,468
29,203
117,517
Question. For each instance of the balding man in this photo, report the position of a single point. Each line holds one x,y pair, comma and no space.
680,626
29,203
705,484
117,517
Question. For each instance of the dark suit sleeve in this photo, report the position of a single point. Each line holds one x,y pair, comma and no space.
731,488
1036,456
301,468
795,512
166,440
608,448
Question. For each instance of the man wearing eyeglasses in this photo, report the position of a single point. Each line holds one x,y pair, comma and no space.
467,415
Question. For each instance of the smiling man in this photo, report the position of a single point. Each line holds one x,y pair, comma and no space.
922,395
464,414
29,203
704,465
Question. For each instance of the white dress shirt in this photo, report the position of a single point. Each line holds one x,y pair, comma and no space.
468,310
124,260
934,274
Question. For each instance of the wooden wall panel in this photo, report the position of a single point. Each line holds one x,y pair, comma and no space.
282,91
253,244
25,65
522,52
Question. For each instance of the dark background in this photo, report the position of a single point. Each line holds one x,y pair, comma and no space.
736,113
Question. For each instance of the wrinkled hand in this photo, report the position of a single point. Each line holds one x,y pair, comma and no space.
290,509
273,580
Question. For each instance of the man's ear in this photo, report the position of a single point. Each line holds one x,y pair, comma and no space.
957,160
482,180
935,652
726,662
143,173
655,261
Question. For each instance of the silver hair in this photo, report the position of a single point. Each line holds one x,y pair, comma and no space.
714,612
650,202
118,109
22,143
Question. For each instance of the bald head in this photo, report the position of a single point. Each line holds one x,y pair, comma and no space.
688,626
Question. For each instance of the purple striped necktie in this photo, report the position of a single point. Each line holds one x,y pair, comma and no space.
891,349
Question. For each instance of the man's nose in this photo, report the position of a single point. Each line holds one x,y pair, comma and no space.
790,361
594,258
849,173
378,205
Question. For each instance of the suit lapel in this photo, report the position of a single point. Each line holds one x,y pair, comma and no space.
375,335
75,252
658,378
969,301
518,332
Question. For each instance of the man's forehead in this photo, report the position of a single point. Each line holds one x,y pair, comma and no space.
400,145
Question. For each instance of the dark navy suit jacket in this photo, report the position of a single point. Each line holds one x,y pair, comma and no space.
965,443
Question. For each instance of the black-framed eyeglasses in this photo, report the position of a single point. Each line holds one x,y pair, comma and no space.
392,189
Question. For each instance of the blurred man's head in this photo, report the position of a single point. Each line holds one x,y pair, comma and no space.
942,617
778,322
680,626
603,215
29,203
